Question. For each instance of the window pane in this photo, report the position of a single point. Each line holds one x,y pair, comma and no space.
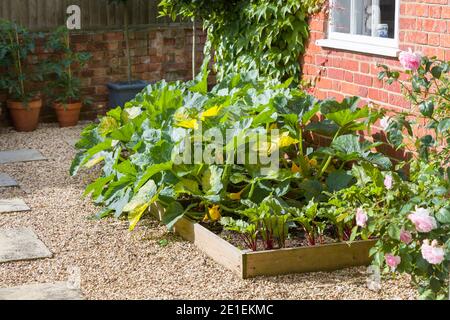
387,16
341,16
374,18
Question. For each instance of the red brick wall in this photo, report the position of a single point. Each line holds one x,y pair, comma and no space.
157,53
424,26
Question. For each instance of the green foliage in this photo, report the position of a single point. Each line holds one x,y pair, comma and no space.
429,92
64,86
269,219
247,231
388,208
263,35
308,218
141,146
16,47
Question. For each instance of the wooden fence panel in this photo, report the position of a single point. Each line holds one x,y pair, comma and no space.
95,14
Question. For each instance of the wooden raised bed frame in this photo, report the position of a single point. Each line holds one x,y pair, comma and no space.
248,264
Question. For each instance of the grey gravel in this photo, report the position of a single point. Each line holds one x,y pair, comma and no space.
118,264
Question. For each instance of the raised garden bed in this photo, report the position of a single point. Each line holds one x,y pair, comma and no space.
248,264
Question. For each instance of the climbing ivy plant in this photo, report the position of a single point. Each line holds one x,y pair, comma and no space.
263,35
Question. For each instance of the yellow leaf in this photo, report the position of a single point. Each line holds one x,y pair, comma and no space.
273,126
136,215
295,168
94,161
211,112
189,124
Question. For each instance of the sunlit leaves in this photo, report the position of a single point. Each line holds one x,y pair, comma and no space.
267,35
139,146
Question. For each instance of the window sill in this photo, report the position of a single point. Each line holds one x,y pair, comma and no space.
359,47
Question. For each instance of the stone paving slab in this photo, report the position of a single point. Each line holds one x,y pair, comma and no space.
7,181
46,291
21,244
22,155
13,205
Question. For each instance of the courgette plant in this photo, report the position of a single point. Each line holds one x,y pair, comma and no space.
137,147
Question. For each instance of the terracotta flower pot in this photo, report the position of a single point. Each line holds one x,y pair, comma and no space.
68,115
25,118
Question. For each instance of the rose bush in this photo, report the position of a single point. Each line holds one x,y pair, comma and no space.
408,209
419,236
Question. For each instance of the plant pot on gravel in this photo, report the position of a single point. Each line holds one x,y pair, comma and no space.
67,114
64,89
18,77
25,116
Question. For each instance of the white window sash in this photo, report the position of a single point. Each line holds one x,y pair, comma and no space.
361,40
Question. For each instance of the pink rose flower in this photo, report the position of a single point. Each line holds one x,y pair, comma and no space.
361,218
422,220
432,253
410,60
388,182
405,237
392,261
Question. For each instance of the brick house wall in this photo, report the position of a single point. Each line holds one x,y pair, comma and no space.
424,26
157,53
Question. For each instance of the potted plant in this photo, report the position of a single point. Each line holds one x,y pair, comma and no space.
122,92
19,74
65,87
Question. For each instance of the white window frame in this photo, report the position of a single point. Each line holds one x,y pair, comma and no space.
359,43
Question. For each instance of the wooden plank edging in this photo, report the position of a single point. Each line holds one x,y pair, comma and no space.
248,264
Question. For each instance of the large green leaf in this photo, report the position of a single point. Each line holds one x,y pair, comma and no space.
151,171
97,186
312,189
443,215
124,133
309,114
212,180
202,82
332,106
338,180
347,118
83,157
174,212
326,127
349,147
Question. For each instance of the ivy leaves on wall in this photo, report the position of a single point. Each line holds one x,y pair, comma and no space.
264,35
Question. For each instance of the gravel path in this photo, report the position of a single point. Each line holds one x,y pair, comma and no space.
117,264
